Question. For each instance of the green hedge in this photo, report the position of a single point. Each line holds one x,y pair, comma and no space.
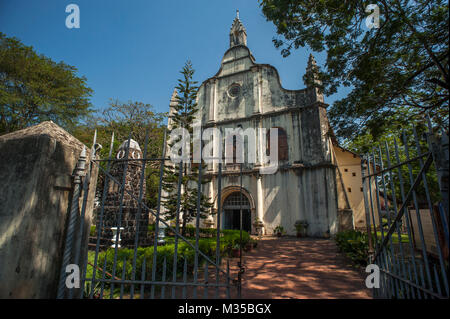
206,245
211,232
167,251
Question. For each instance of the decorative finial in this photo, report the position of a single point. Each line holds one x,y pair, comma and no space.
312,78
238,35
174,95
311,60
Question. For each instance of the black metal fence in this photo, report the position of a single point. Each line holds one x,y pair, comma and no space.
144,268
405,185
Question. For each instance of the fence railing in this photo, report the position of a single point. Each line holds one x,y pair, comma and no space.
186,271
406,203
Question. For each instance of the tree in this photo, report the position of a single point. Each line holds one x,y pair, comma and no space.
122,119
183,116
33,88
392,142
135,118
403,63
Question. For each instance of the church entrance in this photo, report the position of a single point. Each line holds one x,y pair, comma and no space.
231,207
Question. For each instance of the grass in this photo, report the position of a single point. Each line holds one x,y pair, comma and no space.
403,237
395,240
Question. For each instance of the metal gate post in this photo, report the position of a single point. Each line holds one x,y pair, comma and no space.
439,148
79,172
364,166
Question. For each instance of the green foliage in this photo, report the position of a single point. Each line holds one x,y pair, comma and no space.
403,63
301,225
93,231
233,237
229,237
190,231
355,244
208,231
396,137
33,88
167,251
279,230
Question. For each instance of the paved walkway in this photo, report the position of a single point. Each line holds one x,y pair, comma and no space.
300,268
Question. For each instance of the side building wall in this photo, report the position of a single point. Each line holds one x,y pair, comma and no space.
351,190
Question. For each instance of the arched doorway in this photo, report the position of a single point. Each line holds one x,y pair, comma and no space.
232,206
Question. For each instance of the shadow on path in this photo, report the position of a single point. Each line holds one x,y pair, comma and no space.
300,268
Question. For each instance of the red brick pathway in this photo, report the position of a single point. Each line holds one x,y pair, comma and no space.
300,268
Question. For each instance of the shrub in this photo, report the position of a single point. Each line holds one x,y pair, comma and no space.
190,231
234,238
279,230
354,244
209,231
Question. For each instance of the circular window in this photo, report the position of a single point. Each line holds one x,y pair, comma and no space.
234,90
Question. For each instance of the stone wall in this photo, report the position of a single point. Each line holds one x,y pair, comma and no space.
36,165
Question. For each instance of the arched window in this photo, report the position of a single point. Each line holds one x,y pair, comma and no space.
282,144
232,207
230,148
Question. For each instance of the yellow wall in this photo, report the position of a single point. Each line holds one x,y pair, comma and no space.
349,165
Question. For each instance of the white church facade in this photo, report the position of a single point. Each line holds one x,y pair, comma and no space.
308,184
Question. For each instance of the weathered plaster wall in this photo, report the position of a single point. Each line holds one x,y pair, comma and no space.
36,165
288,196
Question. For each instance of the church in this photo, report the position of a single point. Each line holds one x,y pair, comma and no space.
317,181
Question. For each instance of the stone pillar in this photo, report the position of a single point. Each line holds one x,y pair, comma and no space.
261,147
130,207
36,167
209,221
212,100
217,150
257,81
260,204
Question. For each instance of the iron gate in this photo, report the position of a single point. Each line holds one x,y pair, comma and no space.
186,272
406,204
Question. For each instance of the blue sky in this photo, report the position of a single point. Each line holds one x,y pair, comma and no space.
134,50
